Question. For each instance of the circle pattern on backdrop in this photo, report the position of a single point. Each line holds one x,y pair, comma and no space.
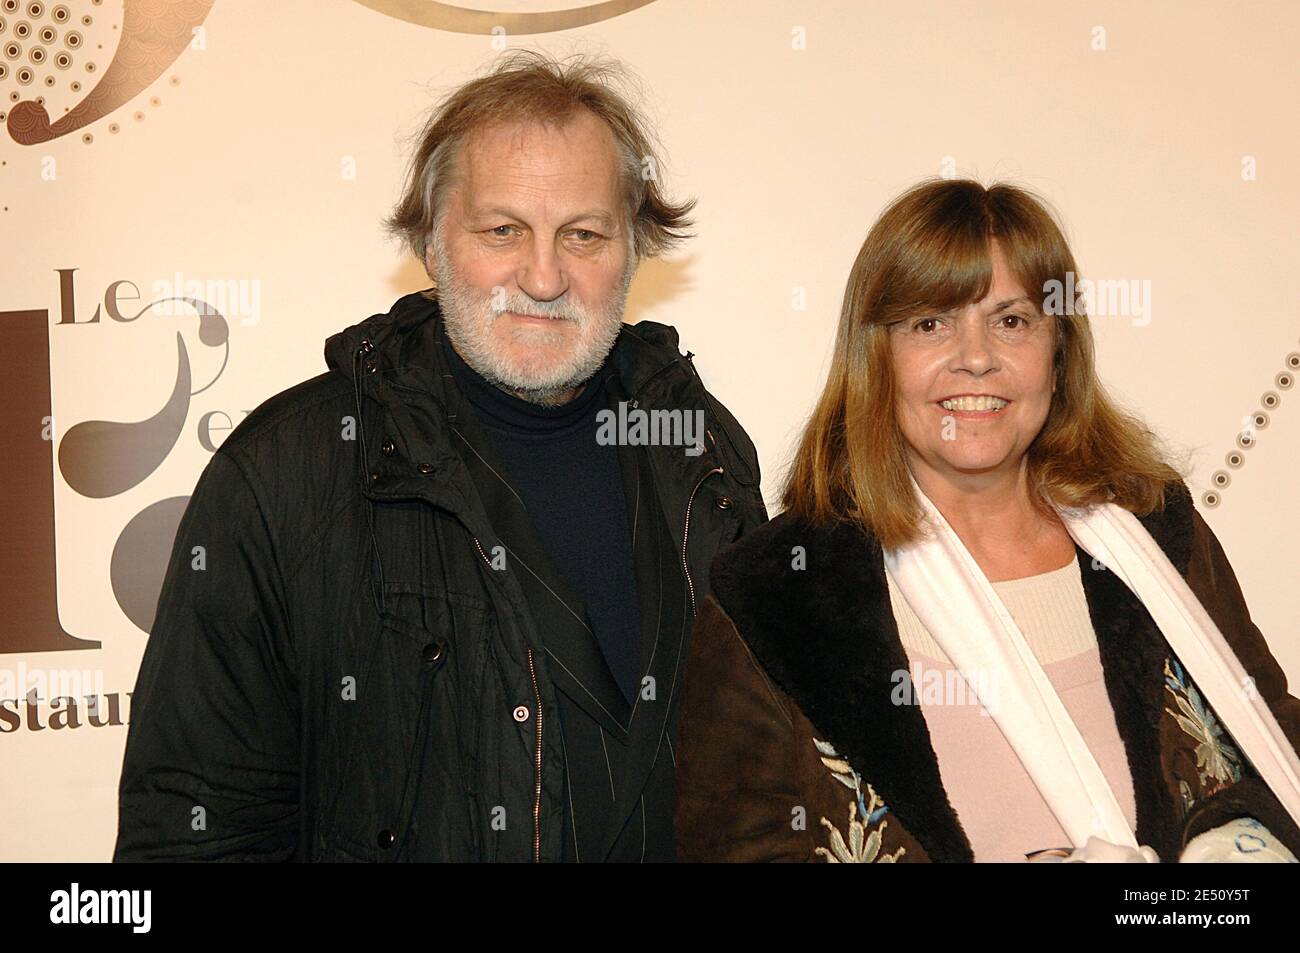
1259,420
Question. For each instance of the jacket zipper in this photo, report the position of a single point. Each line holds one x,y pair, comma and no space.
537,790
537,708
686,533
532,673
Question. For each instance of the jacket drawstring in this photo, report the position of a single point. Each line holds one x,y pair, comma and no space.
379,599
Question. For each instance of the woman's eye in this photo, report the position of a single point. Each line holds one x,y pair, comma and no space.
1016,317
917,326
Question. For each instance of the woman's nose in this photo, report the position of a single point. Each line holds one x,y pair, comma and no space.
974,349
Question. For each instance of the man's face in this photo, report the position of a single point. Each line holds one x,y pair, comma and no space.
1001,346
534,260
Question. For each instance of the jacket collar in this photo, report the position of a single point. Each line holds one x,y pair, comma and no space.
826,635
393,362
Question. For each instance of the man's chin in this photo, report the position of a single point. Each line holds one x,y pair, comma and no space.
539,363
537,381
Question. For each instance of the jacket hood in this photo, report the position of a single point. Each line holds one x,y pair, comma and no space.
395,345
388,333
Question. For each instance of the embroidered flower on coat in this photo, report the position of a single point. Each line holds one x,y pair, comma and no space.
861,846
1217,760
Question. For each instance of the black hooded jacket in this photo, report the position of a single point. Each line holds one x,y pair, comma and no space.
341,669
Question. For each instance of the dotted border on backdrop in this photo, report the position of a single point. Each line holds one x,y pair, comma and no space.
1235,458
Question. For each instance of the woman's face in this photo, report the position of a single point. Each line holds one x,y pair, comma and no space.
1000,347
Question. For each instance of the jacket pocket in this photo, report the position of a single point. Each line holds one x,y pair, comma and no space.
396,722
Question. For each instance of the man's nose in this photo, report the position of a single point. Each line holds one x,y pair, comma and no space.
541,275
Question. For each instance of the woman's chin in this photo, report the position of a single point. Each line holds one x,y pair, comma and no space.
975,464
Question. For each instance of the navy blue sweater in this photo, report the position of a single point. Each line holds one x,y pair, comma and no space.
572,488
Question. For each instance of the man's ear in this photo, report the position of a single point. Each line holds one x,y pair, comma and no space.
430,262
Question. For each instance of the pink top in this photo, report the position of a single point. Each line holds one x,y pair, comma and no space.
998,806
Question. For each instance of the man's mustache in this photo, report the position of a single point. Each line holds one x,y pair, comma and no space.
566,313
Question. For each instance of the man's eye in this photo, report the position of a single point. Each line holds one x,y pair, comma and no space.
584,235
502,234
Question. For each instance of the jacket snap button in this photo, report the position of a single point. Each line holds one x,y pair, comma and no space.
371,367
385,838
432,652
425,468
723,503
374,475
521,713
388,448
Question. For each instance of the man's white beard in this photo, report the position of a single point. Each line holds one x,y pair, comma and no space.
469,317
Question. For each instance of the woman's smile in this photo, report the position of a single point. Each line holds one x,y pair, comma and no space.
973,407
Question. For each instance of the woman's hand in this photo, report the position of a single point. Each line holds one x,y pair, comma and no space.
1098,851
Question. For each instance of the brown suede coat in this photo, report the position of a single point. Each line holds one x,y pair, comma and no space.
790,747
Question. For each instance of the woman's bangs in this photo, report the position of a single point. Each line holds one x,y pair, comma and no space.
944,270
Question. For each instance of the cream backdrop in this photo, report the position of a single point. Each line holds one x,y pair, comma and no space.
264,153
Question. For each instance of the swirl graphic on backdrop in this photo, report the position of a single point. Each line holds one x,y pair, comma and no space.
139,561
154,34
457,19
97,459
102,458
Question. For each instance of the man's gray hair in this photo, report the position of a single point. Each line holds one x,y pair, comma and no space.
528,85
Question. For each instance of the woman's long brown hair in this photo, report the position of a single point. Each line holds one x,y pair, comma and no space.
928,252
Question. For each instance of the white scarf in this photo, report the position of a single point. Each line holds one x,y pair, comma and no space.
960,609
